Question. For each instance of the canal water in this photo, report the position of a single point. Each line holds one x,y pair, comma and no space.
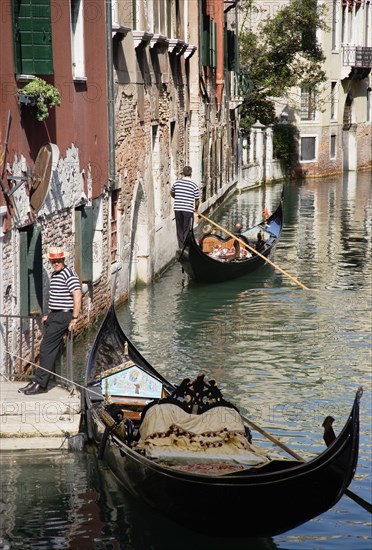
288,357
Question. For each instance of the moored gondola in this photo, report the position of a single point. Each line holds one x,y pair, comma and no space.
187,452
206,262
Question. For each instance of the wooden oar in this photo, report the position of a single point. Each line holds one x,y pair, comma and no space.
273,439
363,503
253,250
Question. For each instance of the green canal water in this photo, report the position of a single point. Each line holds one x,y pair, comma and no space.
287,357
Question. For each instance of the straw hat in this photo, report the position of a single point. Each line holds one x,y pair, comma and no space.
56,253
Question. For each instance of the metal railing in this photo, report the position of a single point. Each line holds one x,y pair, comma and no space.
357,56
19,339
17,334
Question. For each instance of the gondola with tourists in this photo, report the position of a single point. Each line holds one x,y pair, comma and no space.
189,453
214,259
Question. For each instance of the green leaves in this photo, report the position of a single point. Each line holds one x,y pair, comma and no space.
46,95
280,51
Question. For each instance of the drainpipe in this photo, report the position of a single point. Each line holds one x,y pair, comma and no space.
3,211
110,94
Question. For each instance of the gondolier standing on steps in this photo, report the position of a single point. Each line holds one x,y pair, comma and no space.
186,200
64,305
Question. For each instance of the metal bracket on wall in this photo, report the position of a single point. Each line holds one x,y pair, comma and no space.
21,180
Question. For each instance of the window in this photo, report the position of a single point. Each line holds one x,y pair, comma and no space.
335,23
115,197
333,147
30,271
308,107
230,55
32,37
308,148
209,46
333,100
84,243
77,39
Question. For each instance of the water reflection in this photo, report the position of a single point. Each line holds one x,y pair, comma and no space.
72,501
287,357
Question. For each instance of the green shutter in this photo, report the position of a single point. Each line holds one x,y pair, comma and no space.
32,35
84,243
206,41
23,274
87,243
30,271
213,45
35,273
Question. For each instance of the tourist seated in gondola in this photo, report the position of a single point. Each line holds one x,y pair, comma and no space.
238,233
260,245
207,231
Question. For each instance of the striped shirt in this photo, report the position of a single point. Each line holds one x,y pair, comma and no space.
186,192
62,285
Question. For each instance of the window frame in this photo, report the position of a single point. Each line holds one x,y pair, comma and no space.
78,68
306,136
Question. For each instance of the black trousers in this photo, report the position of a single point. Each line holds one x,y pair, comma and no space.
183,222
55,328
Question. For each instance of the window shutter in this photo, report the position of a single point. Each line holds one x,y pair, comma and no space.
87,243
213,45
23,274
84,243
32,35
206,40
35,273
30,271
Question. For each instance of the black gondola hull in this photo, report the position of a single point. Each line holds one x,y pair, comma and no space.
203,268
257,502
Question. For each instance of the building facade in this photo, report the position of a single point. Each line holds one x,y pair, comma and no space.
333,120
54,171
173,67
146,87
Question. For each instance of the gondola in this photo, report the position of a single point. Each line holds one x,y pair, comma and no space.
203,266
204,489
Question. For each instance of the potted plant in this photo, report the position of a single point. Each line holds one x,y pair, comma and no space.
40,94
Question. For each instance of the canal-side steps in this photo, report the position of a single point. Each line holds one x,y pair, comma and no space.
42,421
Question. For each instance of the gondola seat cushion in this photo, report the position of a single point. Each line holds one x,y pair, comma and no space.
169,432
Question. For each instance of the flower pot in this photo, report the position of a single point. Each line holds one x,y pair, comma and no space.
27,100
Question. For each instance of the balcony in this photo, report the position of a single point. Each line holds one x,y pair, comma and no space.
357,56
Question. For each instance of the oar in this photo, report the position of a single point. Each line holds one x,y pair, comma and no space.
253,250
363,503
273,439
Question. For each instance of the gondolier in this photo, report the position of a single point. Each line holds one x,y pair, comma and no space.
186,200
64,305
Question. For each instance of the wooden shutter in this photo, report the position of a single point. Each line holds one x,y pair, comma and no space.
23,274
206,41
87,243
30,271
35,272
84,243
213,45
32,34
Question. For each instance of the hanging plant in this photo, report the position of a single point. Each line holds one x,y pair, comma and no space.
40,94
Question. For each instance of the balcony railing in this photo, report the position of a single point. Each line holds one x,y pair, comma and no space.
357,56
